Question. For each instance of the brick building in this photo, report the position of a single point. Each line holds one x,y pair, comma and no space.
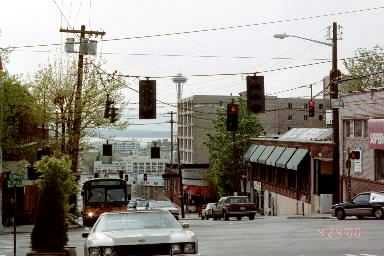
362,130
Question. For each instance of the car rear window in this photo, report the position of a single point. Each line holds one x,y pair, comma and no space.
238,200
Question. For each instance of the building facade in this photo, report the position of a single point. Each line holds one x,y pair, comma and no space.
197,113
292,175
362,131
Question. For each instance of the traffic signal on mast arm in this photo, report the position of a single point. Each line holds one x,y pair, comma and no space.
255,94
333,85
147,99
108,105
232,117
311,108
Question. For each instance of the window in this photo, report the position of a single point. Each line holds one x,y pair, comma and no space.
365,123
361,199
289,105
347,128
305,117
379,164
289,117
321,106
357,128
320,117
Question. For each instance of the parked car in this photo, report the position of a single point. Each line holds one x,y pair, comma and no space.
166,205
367,204
207,212
152,232
234,206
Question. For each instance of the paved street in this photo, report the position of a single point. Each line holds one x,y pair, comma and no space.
269,236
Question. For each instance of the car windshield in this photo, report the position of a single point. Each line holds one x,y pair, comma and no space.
134,221
160,204
238,200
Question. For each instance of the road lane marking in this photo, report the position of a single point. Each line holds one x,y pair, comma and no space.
365,254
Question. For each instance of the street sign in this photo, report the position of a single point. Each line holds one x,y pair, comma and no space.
15,180
337,103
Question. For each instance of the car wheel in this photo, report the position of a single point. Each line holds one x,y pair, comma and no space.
340,214
252,217
239,218
378,213
225,216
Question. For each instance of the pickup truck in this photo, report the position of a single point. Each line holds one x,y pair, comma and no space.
234,206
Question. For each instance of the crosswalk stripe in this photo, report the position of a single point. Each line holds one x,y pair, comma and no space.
365,254
350,254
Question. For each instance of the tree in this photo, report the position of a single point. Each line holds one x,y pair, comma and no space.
226,157
368,62
54,86
57,184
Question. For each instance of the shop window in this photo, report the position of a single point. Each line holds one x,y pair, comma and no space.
358,128
365,123
347,128
379,165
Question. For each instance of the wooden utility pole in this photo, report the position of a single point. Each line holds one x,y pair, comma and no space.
75,136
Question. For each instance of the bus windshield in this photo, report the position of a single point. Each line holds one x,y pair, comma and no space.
104,194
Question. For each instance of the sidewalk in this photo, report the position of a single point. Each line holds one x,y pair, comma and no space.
27,229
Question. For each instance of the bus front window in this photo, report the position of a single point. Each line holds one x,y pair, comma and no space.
96,195
115,195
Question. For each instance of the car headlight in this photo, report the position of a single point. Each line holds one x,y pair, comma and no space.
176,249
107,251
189,248
90,214
94,251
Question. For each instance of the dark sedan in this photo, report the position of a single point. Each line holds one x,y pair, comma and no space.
367,204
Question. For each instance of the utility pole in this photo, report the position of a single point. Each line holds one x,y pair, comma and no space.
172,122
180,180
334,94
2,90
75,137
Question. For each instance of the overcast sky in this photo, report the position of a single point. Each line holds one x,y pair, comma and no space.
25,22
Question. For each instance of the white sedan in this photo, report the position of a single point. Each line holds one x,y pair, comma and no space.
140,233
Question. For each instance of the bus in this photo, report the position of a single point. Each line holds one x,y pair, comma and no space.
103,195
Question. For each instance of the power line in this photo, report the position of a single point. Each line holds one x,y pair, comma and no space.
231,27
61,12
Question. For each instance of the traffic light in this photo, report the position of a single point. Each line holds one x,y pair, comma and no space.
255,94
145,177
333,85
114,114
147,99
232,117
155,152
107,149
311,108
121,174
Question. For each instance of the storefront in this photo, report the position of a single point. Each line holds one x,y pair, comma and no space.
376,143
288,175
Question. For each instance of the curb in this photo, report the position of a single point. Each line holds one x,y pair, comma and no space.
311,218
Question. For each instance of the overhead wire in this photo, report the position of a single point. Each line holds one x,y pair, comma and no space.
231,27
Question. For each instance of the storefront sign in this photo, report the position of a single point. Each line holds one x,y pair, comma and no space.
376,133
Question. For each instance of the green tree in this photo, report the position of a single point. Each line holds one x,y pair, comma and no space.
54,86
57,184
368,62
226,157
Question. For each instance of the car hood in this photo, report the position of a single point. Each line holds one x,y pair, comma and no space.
142,236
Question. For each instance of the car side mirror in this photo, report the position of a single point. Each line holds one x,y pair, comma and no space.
185,225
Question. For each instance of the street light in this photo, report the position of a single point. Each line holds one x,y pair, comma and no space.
285,35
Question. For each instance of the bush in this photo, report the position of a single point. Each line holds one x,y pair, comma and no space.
57,184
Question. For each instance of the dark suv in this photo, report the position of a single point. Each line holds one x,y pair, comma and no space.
234,206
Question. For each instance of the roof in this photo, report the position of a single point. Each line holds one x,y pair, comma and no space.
307,135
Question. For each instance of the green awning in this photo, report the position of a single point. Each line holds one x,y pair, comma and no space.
296,159
250,151
284,158
275,155
255,156
267,152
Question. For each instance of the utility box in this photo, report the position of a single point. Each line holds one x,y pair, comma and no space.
326,203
